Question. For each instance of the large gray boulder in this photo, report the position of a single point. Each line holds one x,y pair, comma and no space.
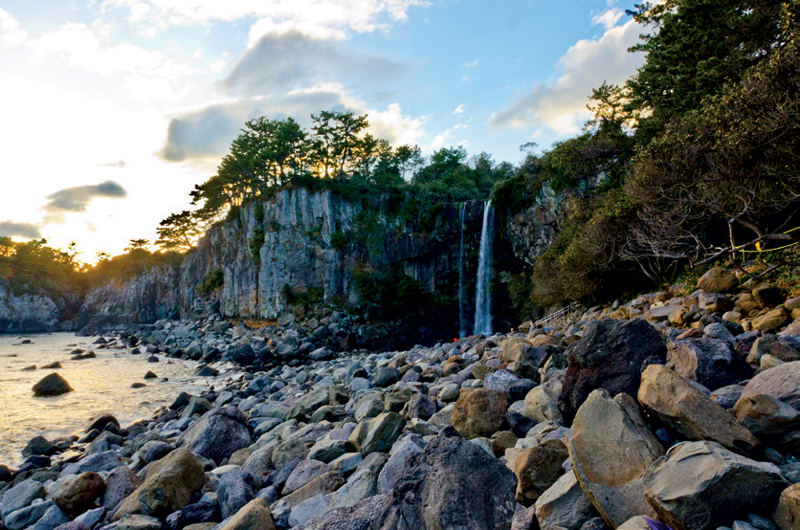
236,488
451,484
564,505
168,486
609,356
708,361
781,382
20,496
218,434
690,413
702,485
610,448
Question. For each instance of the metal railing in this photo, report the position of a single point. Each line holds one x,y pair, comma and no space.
560,317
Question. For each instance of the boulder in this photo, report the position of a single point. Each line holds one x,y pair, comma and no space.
702,485
52,385
708,361
717,280
120,483
38,445
766,417
690,413
217,434
781,382
359,486
421,406
609,356
610,449
358,517
787,514
254,515
771,320
479,412
539,468
451,484
541,404
564,505
168,486
513,349
20,496
771,345
78,495
302,474
25,517
322,485
393,469
236,488
381,433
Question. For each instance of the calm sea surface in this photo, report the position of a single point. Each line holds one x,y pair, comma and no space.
101,384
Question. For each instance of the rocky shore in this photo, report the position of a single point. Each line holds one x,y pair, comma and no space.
679,410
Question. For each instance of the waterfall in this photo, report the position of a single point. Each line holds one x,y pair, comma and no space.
483,295
462,316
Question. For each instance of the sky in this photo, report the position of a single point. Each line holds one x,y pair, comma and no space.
112,110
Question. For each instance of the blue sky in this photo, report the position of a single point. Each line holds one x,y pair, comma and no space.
121,106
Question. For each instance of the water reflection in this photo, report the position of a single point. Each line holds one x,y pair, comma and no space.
100,384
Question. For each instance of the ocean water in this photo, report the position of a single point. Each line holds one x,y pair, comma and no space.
102,384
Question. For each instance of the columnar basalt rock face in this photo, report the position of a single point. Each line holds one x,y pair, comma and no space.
299,252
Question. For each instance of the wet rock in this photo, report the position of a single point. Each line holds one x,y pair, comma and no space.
610,448
479,412
690,413
609,356
451,484
80,494
52,385
168,486
38,445
217,434
702,485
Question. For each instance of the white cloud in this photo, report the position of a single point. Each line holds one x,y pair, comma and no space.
561,104
608,19
10,32
395,127
473,64
459,110
84,49
440,139
321,18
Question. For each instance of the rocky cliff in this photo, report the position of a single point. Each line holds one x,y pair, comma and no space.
314,244
35,312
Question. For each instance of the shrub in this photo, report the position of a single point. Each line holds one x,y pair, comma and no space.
256,242
213,281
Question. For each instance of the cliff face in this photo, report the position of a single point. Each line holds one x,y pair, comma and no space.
313,242
37,312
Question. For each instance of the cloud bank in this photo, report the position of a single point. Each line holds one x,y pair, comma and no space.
77,199
561,104
26,230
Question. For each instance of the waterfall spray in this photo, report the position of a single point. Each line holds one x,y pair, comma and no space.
483,296
462,317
